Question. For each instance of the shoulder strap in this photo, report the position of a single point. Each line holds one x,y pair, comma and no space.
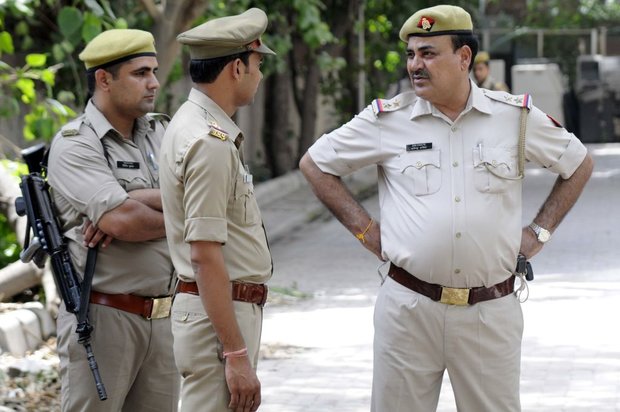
525,102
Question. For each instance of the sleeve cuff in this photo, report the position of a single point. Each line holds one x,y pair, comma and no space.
571,159
327,159
107,198
206,229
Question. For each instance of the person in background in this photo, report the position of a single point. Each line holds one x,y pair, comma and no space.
215,231
482,73
103,174
450,161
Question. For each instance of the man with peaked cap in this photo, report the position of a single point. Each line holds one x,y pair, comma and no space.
482,73
215,232
450,159
103,173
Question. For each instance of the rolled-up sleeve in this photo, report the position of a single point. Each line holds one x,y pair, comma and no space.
208,180
551,146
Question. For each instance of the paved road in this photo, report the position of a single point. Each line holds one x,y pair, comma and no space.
317,348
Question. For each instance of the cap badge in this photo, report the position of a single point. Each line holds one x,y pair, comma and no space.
426,23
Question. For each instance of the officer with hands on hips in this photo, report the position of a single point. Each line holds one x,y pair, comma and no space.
450,159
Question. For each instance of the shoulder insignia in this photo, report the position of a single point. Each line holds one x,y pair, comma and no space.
215,131
162,117
523,100
72,128
389,105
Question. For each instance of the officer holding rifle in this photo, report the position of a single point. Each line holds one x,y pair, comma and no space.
103,174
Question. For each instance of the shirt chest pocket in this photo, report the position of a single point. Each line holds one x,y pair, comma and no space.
424,170
244,206
495,168
131,179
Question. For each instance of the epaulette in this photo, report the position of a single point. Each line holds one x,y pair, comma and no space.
162,117
396,103
216,131
522,100
72,128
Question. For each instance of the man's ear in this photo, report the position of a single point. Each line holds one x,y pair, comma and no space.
466,55
236,69
102,78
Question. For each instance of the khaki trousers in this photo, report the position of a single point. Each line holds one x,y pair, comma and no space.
198,352
135,361
417,339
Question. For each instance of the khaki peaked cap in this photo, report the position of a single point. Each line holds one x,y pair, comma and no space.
437,21
115,46
228,35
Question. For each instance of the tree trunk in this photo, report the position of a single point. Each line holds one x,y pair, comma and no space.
169,21
276,131
309,109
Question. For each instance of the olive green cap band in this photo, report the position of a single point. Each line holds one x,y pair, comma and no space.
115,46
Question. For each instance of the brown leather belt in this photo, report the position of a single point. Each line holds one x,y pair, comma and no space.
148,308
451,296
241,291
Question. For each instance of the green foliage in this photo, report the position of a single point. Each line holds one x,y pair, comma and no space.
9,247
31,85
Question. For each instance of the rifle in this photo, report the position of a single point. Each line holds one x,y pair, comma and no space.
36,204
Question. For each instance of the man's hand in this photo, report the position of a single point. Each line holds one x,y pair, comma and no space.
530,246
93,235
243,385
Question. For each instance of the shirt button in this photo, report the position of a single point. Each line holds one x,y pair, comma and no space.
419,164
457,199
455,163
494,162
458,235
454,128
457,271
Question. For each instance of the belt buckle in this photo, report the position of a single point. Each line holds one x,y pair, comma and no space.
161,308
455,296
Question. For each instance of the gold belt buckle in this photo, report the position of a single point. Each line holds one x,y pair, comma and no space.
161,308
455,296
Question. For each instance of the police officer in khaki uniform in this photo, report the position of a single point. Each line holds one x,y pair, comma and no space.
482,73
450,175
215,232
103,173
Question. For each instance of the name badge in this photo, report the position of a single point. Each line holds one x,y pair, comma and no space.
125,164
419,146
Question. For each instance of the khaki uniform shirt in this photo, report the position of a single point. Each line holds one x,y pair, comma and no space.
444,217
91,169
208,194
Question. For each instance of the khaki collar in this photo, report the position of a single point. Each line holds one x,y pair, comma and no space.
215,113
476,100
102,127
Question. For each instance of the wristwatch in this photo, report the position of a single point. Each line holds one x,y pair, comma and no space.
542,234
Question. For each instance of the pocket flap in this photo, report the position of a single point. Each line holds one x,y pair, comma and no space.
422,159
494,157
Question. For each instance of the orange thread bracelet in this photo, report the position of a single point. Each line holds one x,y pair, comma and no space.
236,354
362,236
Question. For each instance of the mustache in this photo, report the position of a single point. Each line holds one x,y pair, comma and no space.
420,74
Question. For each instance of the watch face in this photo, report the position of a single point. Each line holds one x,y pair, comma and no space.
544,235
